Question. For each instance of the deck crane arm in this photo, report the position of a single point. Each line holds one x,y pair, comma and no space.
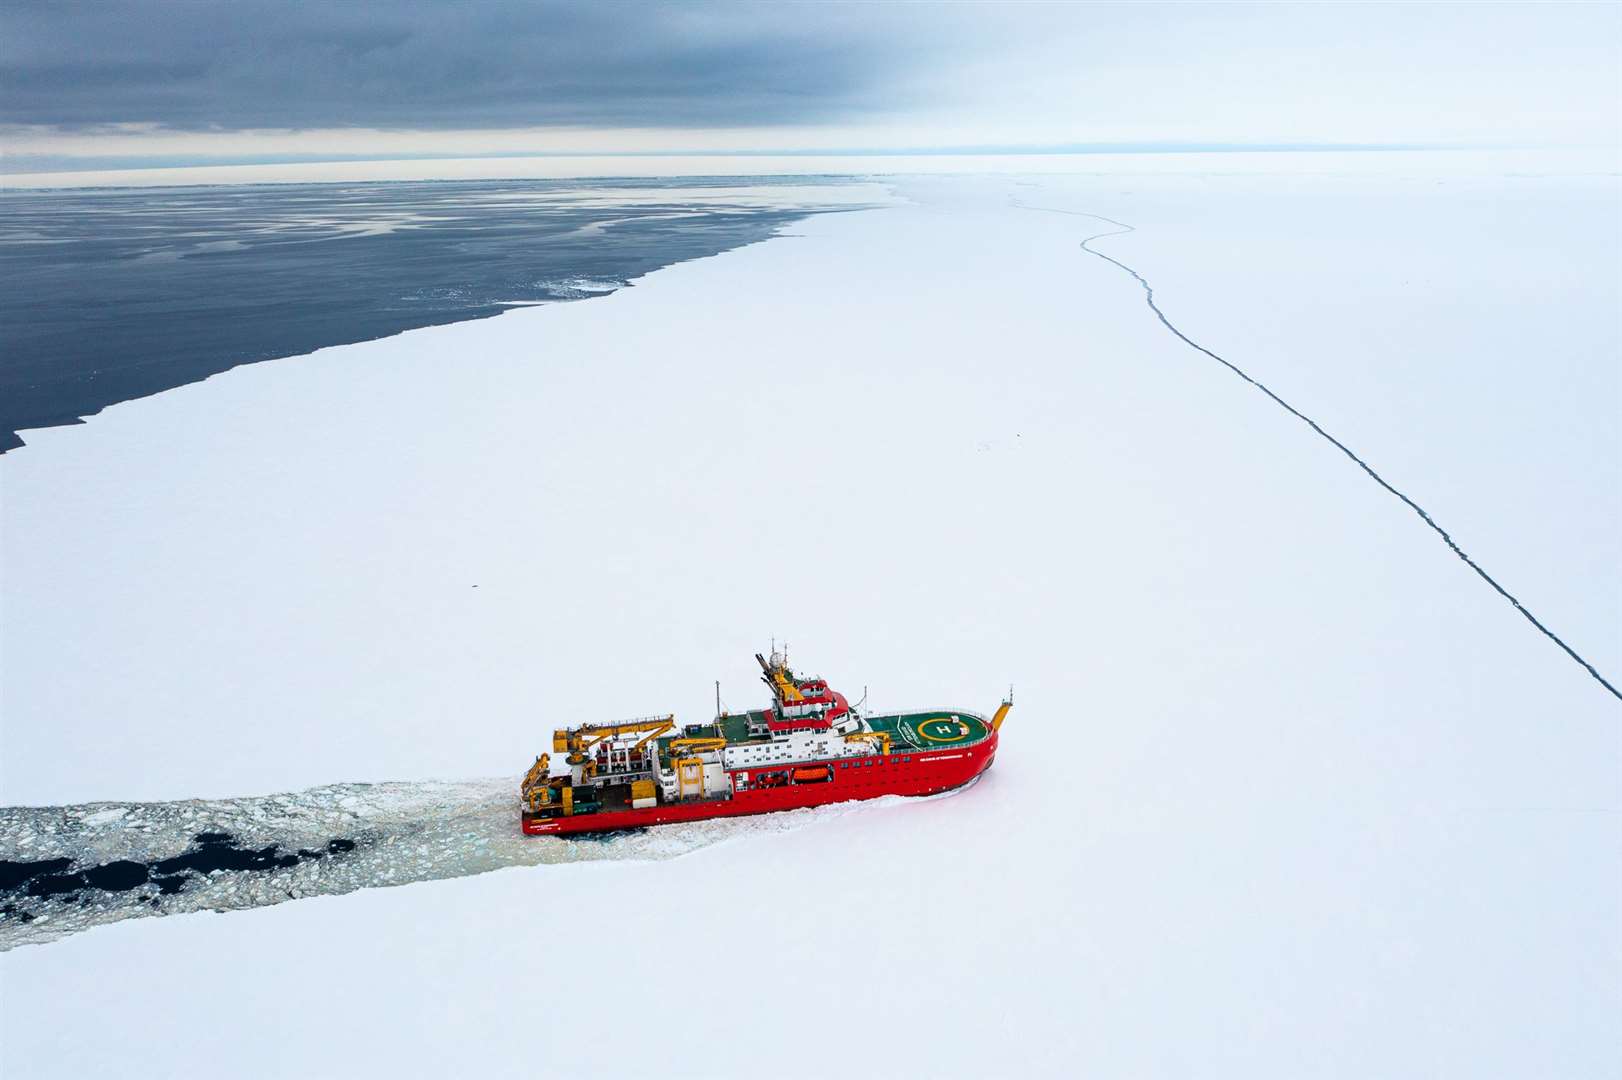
537,772
580,739
695,746
668,724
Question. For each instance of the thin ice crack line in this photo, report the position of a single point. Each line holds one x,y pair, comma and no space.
1149,297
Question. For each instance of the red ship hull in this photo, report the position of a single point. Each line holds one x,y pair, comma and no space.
928,773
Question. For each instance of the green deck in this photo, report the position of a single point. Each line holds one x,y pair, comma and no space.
735,727
935,730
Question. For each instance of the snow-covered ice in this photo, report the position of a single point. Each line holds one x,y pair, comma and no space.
1287,790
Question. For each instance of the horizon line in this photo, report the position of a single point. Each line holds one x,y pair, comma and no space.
25,164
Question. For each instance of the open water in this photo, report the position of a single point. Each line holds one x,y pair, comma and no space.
113,294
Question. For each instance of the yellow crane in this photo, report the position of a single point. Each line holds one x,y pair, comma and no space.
539,789
688,765
537,772
582,739
535,790
880,737
695,746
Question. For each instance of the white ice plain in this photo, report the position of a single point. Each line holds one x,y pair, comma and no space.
1288,791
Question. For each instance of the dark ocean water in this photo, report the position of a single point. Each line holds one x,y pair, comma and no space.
116,294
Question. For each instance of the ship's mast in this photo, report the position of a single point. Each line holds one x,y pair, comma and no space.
776,676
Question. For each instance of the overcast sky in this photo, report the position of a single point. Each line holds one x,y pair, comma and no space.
132,81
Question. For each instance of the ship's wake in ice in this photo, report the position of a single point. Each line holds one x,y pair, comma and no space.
64,869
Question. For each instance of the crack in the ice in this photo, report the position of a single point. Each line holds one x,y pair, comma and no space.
1121,229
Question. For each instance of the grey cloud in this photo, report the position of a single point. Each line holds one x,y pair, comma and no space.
454,64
